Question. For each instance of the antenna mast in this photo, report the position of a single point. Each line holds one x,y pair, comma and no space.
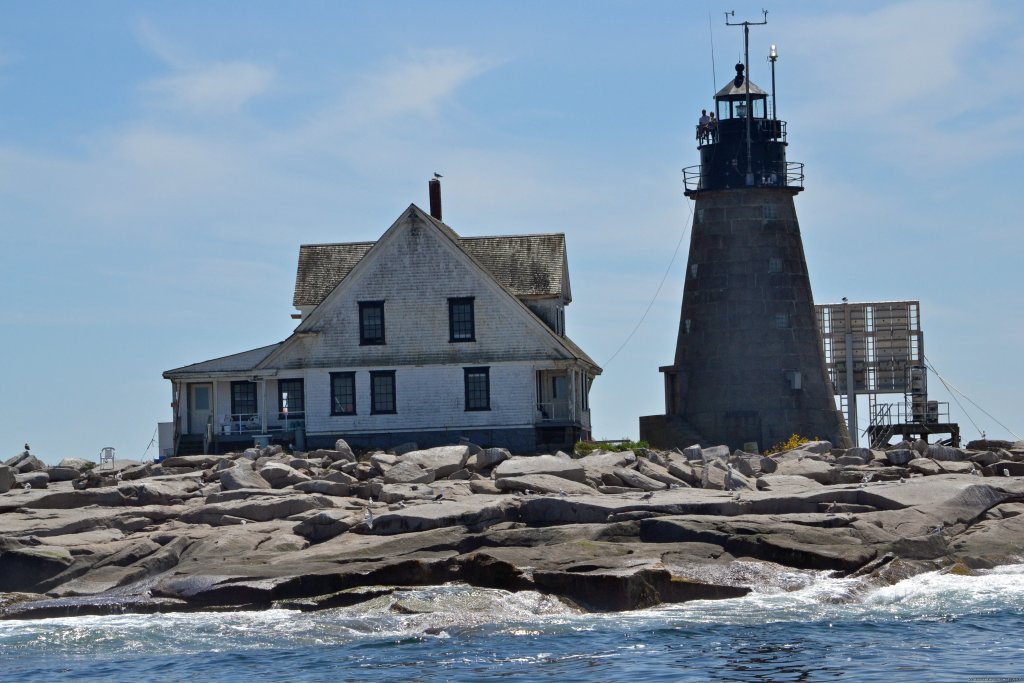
711,34
746,81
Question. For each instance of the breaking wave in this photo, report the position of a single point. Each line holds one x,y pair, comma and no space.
802,626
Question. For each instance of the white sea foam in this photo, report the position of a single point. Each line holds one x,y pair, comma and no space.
822,598
446,611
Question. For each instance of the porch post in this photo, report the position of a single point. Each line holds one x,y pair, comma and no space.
538,412
571,381
176,406
263,405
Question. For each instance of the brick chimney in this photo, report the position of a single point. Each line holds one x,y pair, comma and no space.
434,187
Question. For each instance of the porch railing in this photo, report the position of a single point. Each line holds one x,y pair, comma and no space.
252,423
553,411
242,423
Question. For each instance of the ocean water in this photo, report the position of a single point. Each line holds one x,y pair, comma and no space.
934,627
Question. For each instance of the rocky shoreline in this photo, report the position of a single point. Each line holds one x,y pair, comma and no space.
608,531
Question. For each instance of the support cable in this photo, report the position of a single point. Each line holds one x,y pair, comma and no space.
952,389
151,442
661,284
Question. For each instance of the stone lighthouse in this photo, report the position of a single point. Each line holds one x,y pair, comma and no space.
749,365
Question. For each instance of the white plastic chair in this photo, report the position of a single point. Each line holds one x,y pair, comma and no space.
107,455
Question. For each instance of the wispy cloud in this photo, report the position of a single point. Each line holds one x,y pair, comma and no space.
894,70
889,59
198,87
166,49
418,84
216,88
236,171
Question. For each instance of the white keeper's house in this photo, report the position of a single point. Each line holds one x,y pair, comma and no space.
421,336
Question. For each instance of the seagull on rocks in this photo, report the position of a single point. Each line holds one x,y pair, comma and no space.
647,496
439,496
26,486
368,516
528,492
1006,472
401,504
27,447
118,476
561,492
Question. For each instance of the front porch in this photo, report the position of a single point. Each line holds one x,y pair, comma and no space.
217,415
562,416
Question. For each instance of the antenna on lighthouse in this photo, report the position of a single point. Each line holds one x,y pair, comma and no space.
746,67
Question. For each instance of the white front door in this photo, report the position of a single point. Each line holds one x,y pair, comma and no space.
200,407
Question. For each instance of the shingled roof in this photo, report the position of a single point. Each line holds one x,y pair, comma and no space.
527,265
235,363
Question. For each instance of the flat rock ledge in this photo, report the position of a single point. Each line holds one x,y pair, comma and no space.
610,531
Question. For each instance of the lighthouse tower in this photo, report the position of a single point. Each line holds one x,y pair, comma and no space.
749,365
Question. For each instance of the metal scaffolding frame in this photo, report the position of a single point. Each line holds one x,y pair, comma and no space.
877,349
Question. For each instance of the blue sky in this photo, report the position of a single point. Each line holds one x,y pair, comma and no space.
161,163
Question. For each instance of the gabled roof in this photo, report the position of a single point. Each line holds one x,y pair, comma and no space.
235,363
527,265
322,267
414,215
